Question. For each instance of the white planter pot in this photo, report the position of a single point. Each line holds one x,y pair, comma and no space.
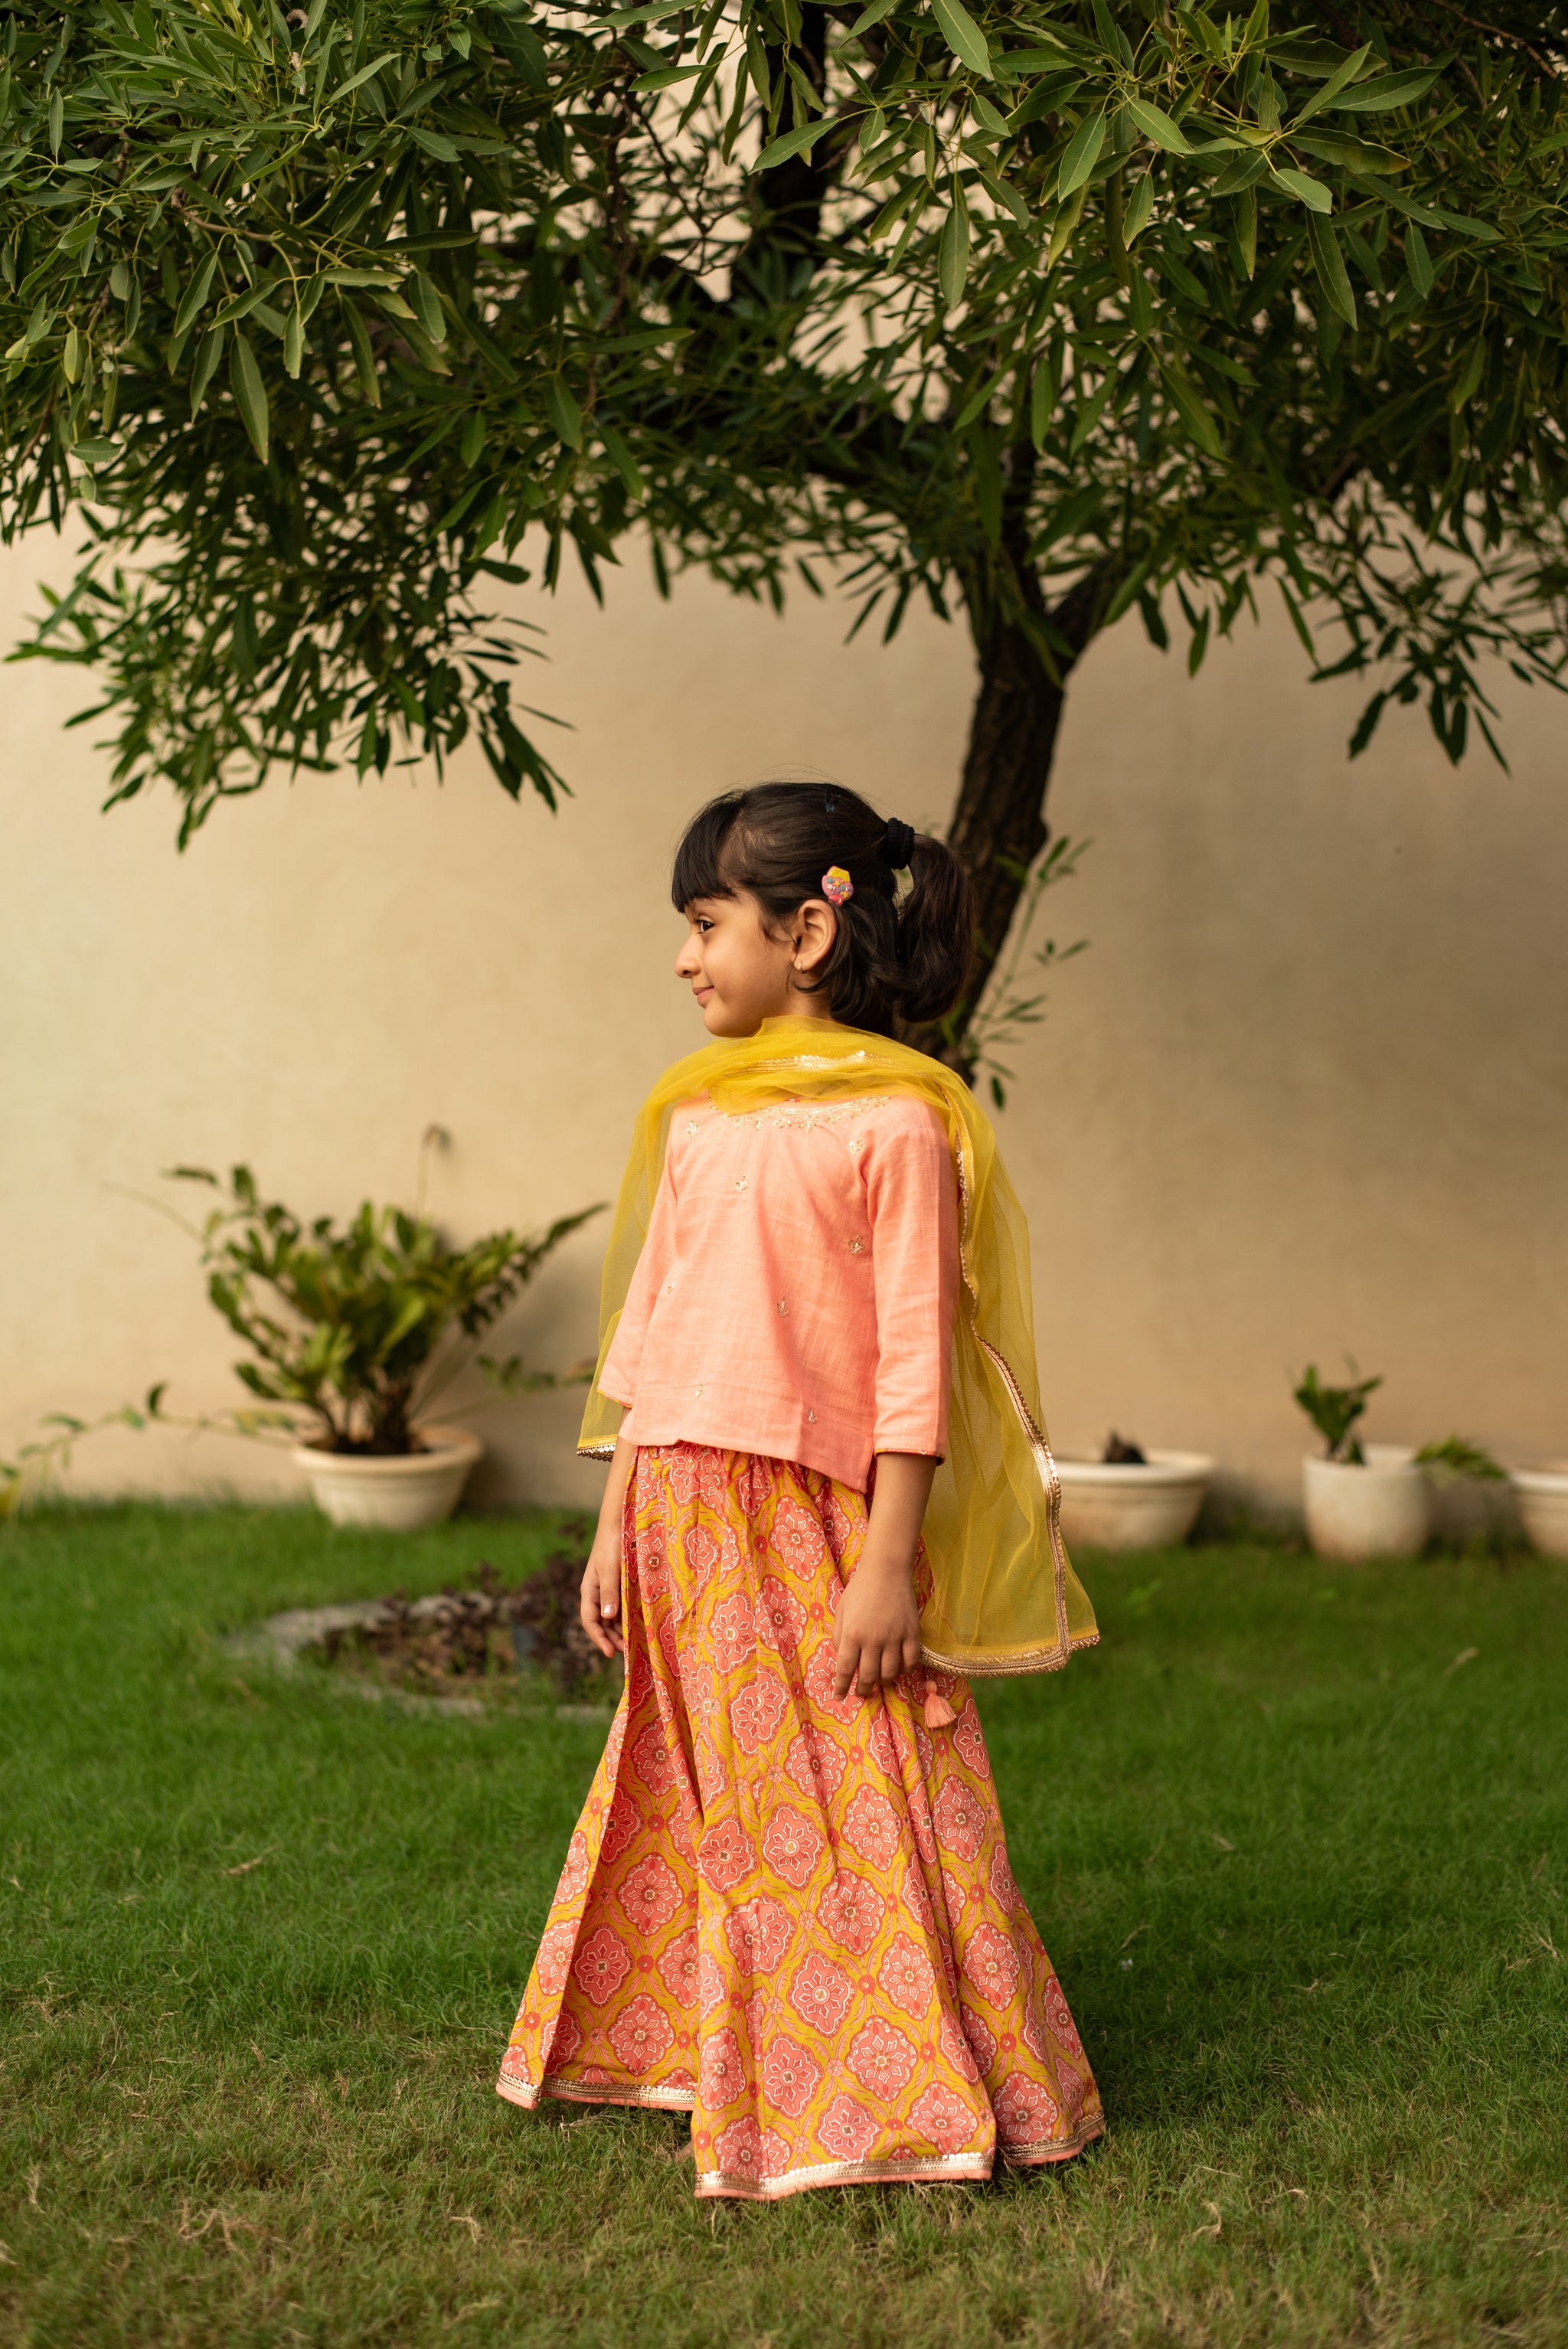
1116,1504
1381,1510
1542,1495
397,1493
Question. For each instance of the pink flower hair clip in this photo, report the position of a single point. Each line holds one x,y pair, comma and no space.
837,886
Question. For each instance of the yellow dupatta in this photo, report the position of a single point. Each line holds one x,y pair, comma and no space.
1005,1599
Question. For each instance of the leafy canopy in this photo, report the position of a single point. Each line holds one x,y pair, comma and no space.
322,320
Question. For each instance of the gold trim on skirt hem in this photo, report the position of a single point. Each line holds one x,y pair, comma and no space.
1048,2149
527,2093
938,2169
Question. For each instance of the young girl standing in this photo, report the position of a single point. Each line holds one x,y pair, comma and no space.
786,1907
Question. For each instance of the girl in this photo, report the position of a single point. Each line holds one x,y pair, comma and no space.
786,1907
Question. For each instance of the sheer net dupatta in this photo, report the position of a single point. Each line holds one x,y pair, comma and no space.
1006,1597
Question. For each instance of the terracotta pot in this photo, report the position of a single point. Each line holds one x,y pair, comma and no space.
1542,1495
1383,1509
397,1492
1117,1504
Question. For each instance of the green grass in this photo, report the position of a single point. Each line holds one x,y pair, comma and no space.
1300,1869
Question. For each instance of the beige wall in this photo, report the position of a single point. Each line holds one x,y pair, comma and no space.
1305,1094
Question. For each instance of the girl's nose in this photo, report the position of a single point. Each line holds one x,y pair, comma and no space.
687,962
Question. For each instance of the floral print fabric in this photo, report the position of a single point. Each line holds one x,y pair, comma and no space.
790,1913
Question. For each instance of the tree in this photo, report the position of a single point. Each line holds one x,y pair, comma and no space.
1043,311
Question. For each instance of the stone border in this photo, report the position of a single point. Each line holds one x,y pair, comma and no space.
280,1639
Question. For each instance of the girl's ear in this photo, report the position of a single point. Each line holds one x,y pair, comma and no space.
816,928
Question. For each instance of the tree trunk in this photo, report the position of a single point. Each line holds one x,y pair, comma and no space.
999,822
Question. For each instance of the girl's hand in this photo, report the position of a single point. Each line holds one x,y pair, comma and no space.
877,1635
599,1606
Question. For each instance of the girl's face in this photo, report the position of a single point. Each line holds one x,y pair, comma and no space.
742,972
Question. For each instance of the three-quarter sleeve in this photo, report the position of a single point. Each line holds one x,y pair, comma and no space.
912,1208
618,1379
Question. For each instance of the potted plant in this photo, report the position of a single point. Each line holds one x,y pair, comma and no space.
355,1331
1472,1501
1362,1501
1541,1493
1133,1499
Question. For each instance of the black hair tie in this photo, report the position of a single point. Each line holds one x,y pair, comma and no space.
897,844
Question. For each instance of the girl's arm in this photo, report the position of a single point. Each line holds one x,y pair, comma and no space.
877,1635
600,1605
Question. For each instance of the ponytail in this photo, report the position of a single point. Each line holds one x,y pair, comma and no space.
935,930
894,958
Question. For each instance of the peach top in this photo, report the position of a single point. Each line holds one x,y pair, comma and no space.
796,1291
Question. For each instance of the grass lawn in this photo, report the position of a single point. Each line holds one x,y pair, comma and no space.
1297,1840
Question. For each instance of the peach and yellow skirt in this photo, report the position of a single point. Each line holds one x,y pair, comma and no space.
788,1913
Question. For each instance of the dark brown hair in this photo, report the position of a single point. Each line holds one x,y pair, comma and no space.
895,956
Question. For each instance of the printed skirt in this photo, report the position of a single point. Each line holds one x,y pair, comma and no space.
788,1913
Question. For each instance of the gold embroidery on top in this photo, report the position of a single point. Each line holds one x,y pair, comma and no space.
808,1114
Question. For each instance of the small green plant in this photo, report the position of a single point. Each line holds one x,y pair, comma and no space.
1333,1412
361,1327
48,1456
1006,1008
1461,1458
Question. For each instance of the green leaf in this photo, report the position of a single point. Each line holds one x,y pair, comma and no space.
1337,80
434,142
249,394
979,400
953,251
1243,172
364,353
354,80
1083,153
1188,406
195,295
1342,148
563,411
97,451
1470,376
293,342
1419,261
71,356
962,35
1158,126
799,141
120,281
1311,192
1390,90
1042,402
1135,220
427,306
1329,264
1066,222
871,15
207,356
1092,410
1245,208
664,77
621,457
56,121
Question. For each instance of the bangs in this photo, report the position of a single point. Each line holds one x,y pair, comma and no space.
701,860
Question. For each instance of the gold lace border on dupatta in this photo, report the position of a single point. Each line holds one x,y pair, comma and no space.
1032,1660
